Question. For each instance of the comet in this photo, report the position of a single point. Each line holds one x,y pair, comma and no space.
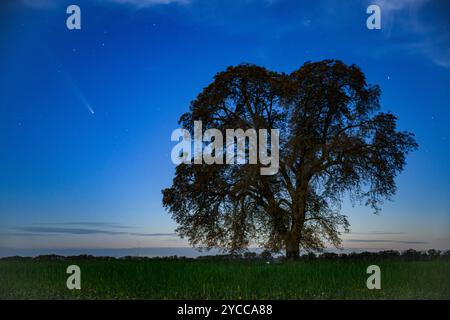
77,92
80,96
90,109
70,83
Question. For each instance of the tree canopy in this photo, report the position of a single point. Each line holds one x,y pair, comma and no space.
334,143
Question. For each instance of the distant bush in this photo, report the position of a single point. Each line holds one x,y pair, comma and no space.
329,255
50,257
222,257
310,256
17,258
266,255
412,254
250,255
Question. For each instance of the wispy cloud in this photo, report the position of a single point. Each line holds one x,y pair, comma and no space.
385,241
88,224
148,3
40,3
431,37
403,13
62,230
153,234
50,4
389,6
49,230
436,48
378,233
22,234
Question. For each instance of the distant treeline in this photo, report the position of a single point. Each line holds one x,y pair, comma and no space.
265,255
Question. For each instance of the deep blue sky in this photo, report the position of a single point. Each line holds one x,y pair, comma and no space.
71,178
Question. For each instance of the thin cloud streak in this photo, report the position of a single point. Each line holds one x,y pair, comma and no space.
148,3
87,224
385,241
62,230
29,234
153,234
428,38
81,231
51,4
378,233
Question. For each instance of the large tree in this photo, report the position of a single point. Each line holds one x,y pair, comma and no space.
334,144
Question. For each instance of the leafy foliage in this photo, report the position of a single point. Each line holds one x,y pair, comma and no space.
334,142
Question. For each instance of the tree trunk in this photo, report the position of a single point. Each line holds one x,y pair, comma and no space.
292,243
293,248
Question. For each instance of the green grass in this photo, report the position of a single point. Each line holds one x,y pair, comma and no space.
178,279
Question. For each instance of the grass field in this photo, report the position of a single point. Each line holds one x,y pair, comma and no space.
195,279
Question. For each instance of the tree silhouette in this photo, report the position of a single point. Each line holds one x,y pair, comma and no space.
334,143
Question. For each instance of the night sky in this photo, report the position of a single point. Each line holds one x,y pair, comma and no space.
86,115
